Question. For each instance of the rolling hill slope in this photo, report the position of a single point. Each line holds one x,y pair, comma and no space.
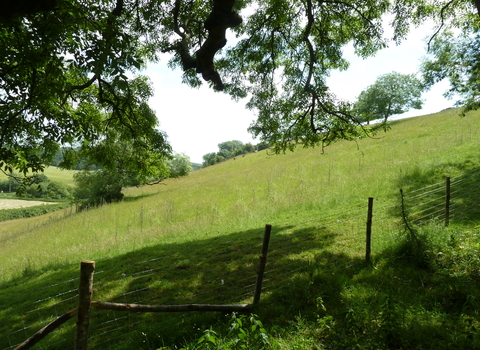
316,202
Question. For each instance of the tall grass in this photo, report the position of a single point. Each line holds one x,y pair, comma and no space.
294,192
249,192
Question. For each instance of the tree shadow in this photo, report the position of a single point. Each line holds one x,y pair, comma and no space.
348,302
134,198
218,270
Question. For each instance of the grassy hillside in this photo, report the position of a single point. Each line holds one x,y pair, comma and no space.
316,202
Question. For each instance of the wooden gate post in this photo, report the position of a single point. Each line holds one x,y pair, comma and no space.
263,262
447,201
368,242
85,292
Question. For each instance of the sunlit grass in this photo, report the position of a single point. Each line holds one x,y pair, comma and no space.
54,174
252,191
294,192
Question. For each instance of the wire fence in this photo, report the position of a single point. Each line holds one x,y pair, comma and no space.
191,274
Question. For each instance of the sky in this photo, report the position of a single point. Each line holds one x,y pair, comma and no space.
197,120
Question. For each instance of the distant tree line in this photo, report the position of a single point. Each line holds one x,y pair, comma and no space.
39,186
231,149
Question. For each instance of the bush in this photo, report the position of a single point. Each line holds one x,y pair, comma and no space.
20,213
58,190
40,186
101,186
179,165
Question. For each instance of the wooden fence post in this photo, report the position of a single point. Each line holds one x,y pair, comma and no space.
85,292
447,201
368,241
263,262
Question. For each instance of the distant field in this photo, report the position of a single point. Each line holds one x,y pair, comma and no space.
55,174
17,203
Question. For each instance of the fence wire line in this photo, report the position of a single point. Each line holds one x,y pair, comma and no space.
274,274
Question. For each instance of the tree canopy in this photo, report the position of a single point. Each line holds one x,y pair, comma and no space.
458,60
391,94
70,69
228,150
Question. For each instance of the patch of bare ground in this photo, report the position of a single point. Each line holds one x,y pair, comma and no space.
18,203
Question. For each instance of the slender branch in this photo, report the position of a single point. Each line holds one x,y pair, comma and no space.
312,114
353,8
301,117
84,86
441,24
117,11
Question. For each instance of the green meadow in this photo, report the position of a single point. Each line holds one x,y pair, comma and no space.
54,174
197,240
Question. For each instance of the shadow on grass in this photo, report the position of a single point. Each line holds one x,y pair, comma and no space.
219,270
345,302
418,178
429,204
134,198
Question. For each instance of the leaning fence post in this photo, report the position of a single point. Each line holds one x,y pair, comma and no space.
447,201
85,291
368,241
263,262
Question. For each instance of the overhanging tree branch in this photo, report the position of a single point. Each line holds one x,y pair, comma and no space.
442,16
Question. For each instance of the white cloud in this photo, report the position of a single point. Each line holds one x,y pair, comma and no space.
196,120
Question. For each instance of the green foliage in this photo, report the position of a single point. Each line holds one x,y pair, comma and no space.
229,150
30,212
70,77
244,332
456,58
125,149
67,84
11,184
210,159
123,162
196,166
97,187
106,185
453,53
179,165
391,94
40,186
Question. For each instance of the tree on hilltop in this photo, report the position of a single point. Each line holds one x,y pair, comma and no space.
391,94
70,70
229,149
